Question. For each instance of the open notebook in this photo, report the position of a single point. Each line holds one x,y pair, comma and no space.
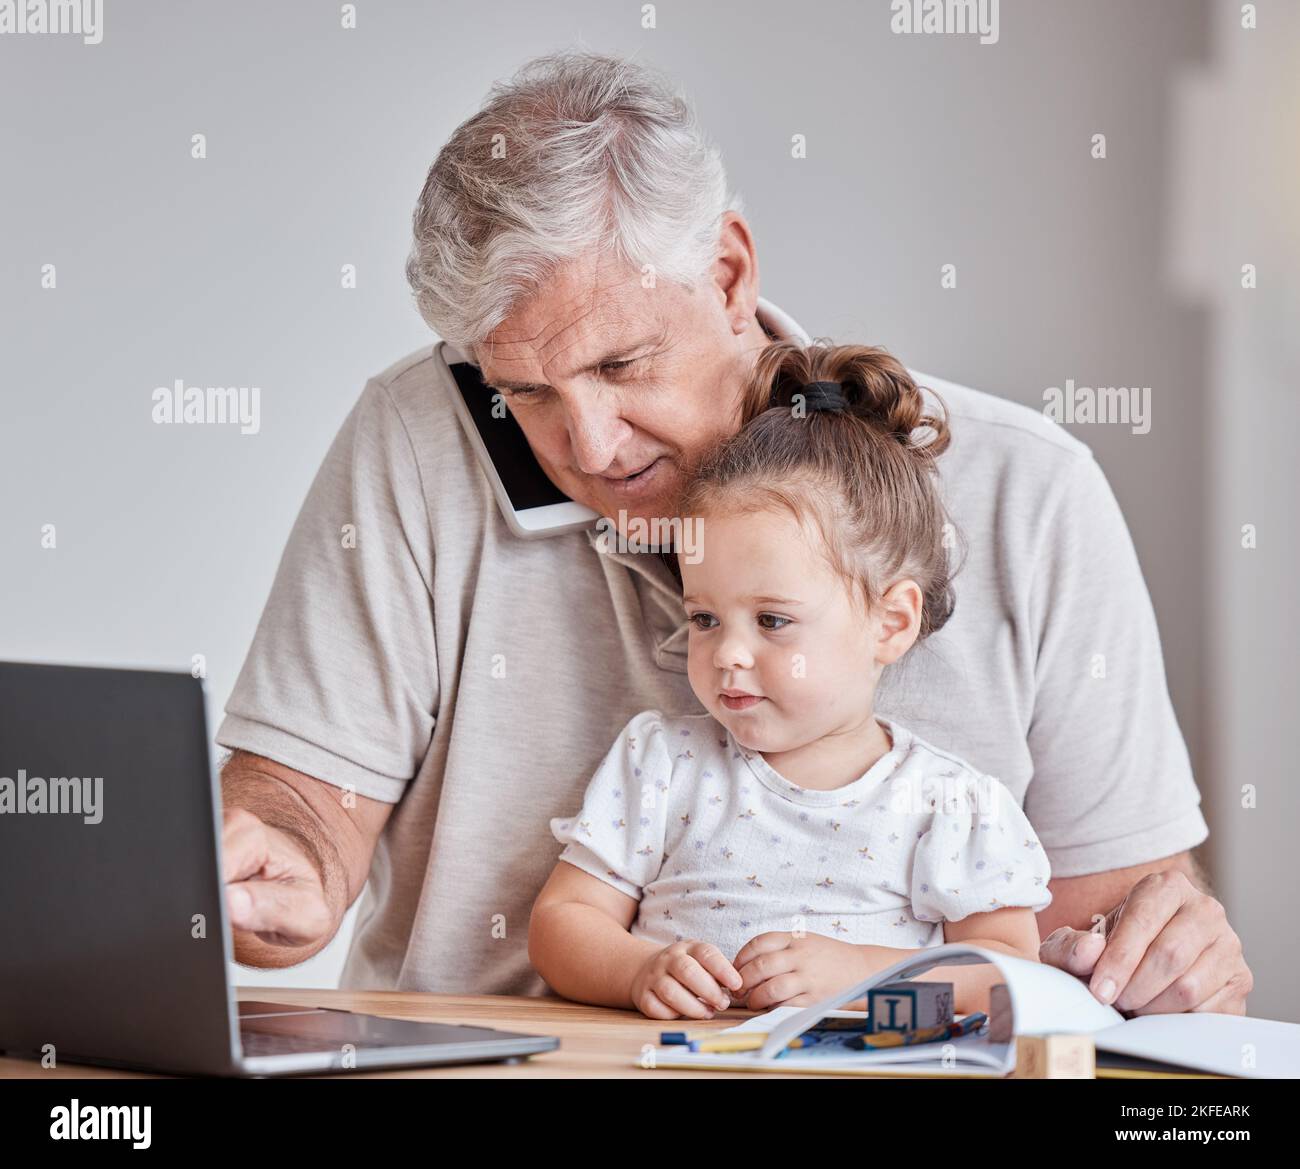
1044,1000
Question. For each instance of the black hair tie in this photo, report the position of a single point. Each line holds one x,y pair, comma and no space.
816,395
824,396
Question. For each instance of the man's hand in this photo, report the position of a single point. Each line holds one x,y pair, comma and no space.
1166,948
296,852
273,885
784,970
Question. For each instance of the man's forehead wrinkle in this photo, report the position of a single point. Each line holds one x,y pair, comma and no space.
595,297
560,313
565,337
567,327
534,346
569,336
506,352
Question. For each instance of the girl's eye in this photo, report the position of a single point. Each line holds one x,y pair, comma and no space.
784,621
696,618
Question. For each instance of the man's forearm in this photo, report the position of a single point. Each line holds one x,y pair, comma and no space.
1079,902
279,806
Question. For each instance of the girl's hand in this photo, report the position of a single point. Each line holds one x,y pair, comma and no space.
684,979
788,970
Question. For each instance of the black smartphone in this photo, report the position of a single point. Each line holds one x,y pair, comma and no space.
532,505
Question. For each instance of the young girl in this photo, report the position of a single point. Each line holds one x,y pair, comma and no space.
789,842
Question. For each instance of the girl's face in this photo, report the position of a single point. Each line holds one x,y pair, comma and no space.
780,652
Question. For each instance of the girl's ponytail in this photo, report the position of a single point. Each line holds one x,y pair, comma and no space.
840,431
876,386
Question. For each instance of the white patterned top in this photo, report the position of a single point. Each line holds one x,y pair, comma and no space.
718,847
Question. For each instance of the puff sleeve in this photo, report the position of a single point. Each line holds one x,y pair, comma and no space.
618,833
979,854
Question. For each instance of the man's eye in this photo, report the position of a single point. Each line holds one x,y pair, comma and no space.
697,618
616,366
521,399
784,621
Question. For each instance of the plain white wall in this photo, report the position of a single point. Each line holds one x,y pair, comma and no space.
922,151
1237,178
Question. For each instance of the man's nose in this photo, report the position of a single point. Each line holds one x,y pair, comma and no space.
595,429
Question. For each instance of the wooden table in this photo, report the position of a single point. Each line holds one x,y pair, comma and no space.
594,1041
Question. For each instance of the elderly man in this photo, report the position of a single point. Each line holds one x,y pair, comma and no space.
426,689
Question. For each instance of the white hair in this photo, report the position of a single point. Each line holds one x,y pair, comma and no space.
577,153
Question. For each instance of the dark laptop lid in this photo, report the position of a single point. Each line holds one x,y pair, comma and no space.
112,930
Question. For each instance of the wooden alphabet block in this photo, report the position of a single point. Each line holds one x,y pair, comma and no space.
909,1006
1055,1057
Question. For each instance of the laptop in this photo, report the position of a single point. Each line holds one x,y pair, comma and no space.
114,943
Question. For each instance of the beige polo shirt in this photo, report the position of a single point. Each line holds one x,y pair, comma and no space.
476,679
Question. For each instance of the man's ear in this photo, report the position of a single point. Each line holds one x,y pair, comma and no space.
735,271
899,615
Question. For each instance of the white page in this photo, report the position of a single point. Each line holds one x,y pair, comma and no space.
769,1019
746,1062
1046,1000
761,1023
1228,1045
1043,998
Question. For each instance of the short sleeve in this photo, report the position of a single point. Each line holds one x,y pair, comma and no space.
618,834
341,679
1112,784
979,854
